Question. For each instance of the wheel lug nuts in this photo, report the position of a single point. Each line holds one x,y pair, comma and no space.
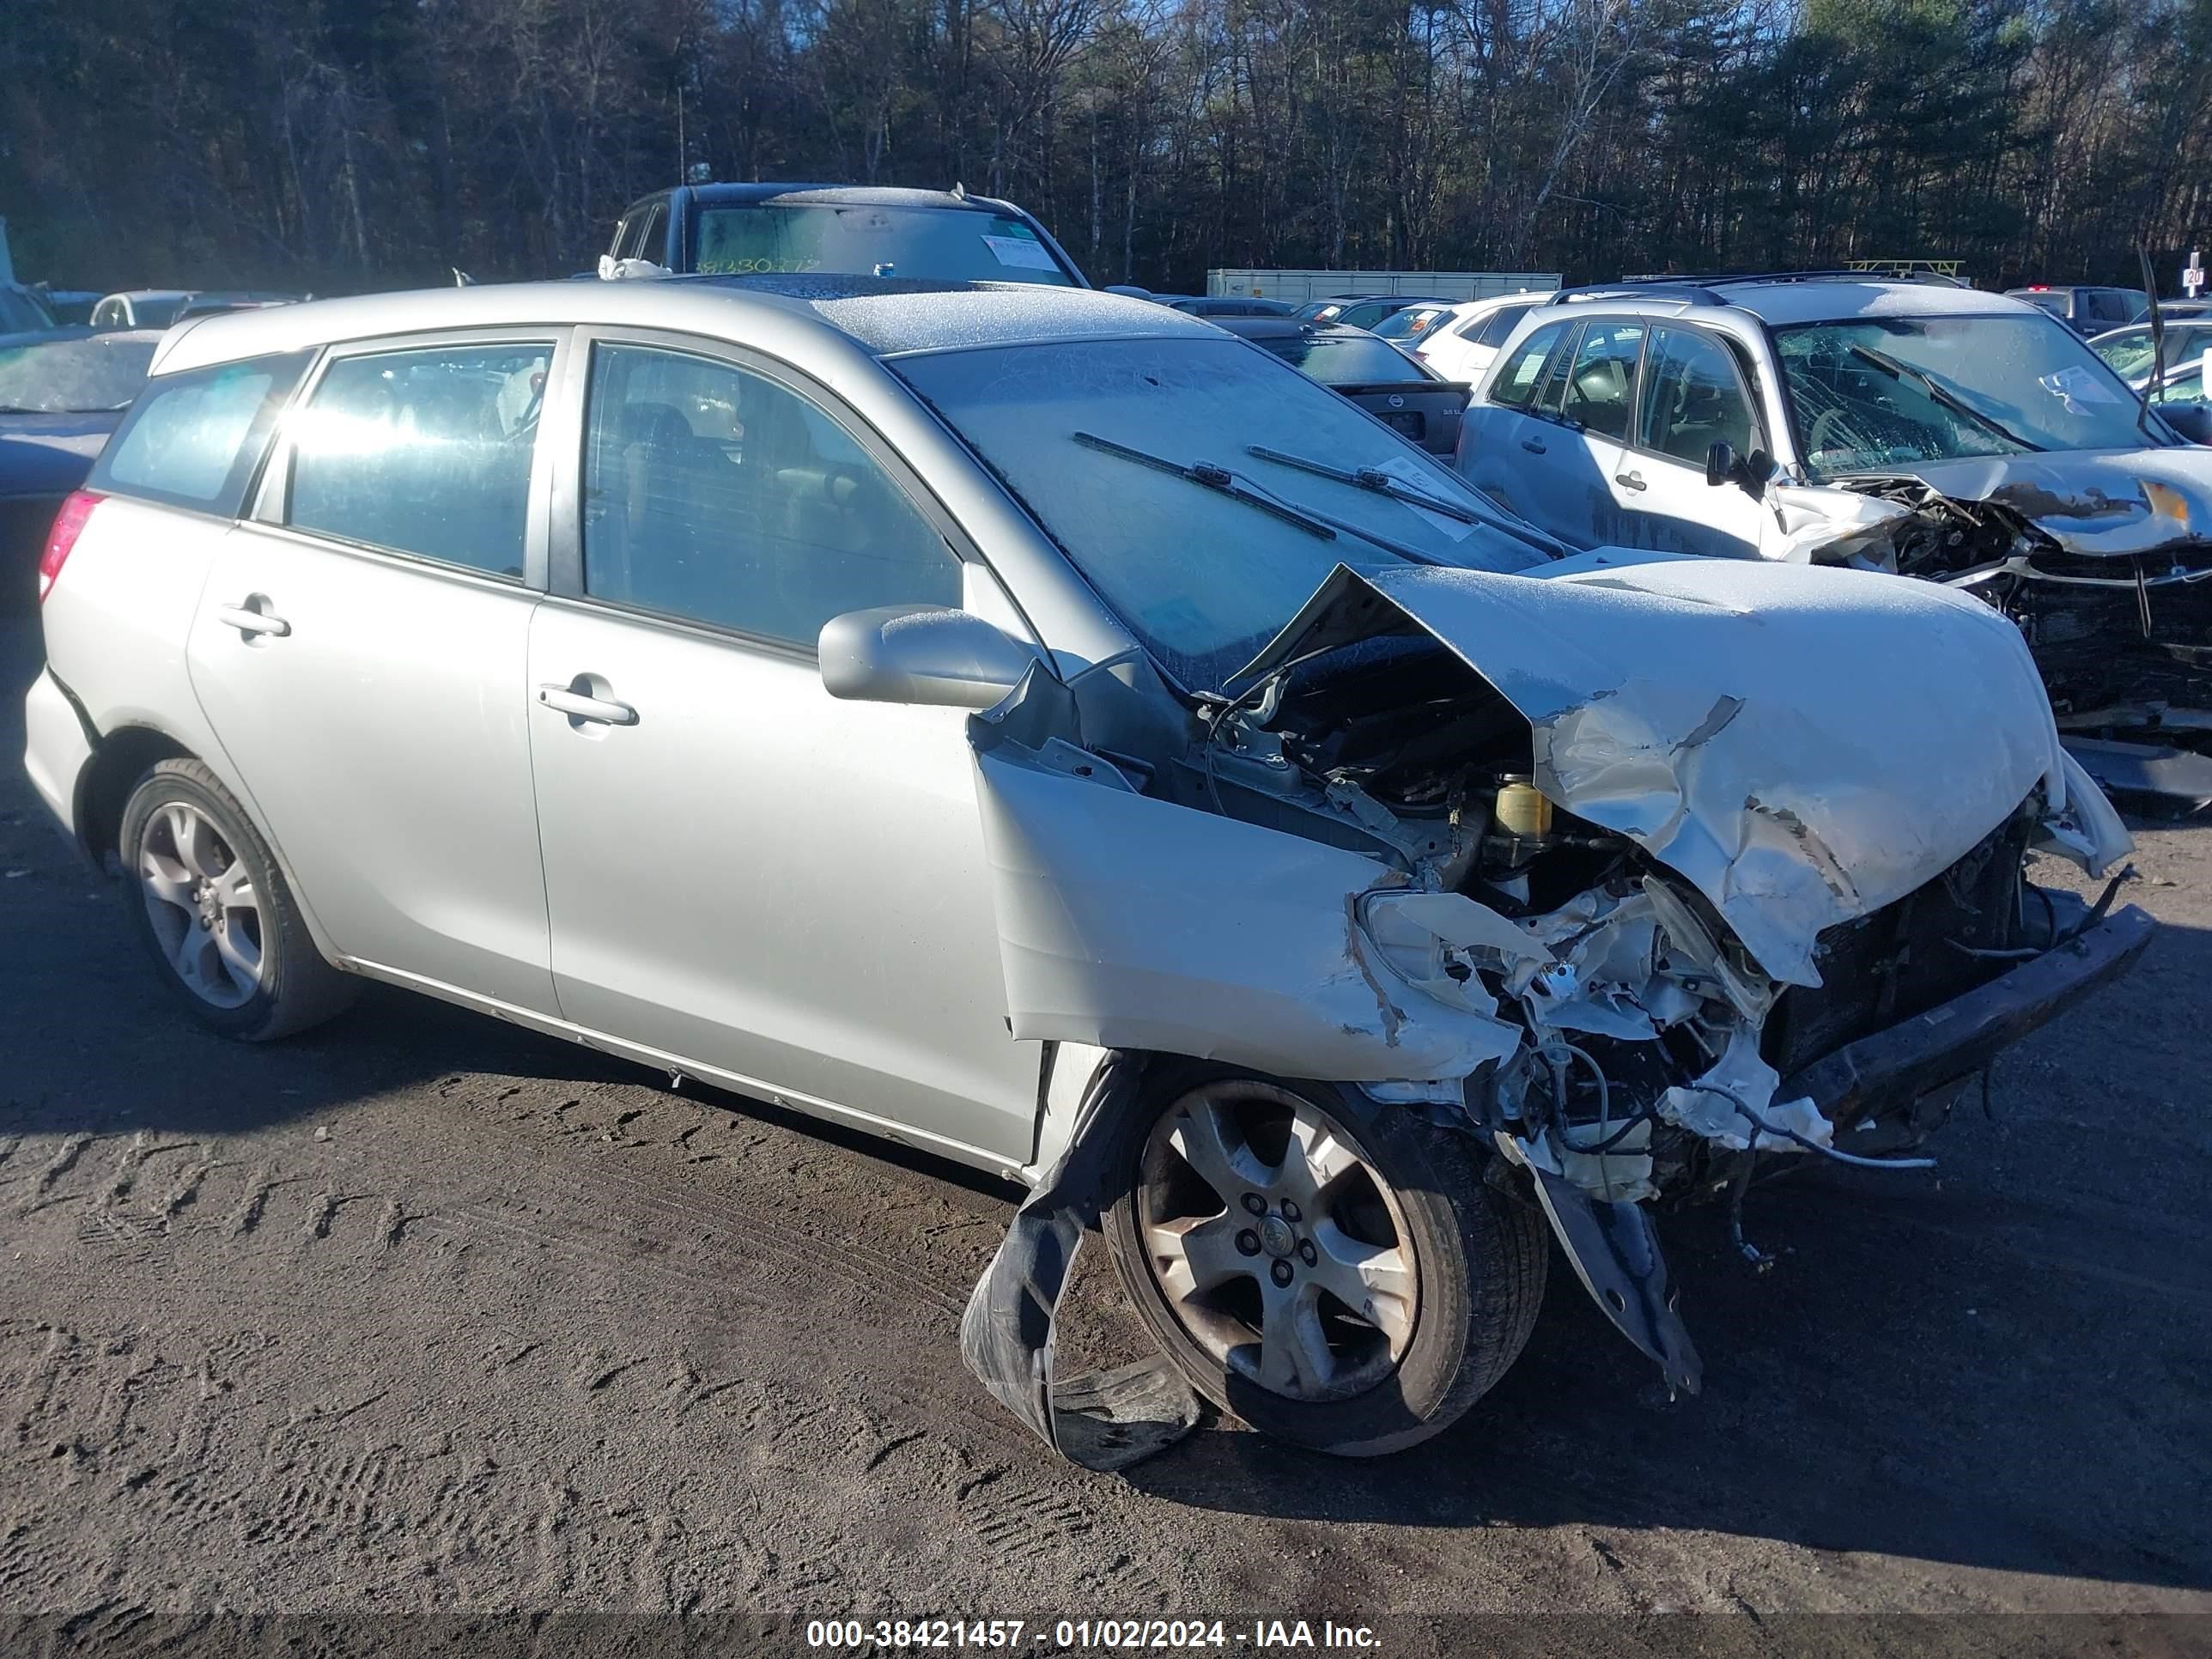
1281,1273
1307,1254
1257,1204
1247,1243
1290,1211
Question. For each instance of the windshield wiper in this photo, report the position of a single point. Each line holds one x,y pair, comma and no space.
1941,392
1244,490
1367,478
1386,484
1219,479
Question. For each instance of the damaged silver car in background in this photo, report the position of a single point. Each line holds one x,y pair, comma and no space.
1043,728
1913,427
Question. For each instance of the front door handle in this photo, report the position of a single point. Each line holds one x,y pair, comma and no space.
1534,446
249,620
1630,480
582,705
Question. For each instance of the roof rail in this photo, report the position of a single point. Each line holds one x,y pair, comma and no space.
1641,288
1700,289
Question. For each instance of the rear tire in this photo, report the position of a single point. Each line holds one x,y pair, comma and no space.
1450,1270
212,909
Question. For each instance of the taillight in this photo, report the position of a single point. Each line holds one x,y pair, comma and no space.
68,524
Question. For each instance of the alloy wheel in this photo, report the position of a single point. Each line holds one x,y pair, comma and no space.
1277,1245
205,907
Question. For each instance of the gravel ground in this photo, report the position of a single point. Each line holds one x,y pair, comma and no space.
423,1313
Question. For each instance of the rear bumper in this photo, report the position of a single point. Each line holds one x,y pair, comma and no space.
56,748
1894,1068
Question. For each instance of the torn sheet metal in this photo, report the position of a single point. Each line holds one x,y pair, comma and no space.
1101,1420
2097,503
1708,1105
1129,922
1771,734
1614,1251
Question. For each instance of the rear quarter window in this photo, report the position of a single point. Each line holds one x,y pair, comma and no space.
194,440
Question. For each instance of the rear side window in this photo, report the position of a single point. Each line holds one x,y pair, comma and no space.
194,440
1500,323
1515,384
425,452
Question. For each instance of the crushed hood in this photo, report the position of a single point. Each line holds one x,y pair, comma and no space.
2097,502
1804,745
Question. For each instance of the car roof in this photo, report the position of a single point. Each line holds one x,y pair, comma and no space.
1787,299
882,316
1494,301
804,195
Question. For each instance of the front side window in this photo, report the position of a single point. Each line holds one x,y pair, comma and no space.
721,496
2183,386
1515,384
1692,397
1869,394
425,452
194,439
1602,378
2128,352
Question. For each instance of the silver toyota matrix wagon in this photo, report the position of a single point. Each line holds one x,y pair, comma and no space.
1039,728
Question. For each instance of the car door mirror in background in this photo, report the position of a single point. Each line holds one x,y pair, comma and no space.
921,653
1724,465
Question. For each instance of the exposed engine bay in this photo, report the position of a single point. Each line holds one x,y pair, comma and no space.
2122,632
1465,841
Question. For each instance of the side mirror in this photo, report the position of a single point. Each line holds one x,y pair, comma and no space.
1724,465
919,654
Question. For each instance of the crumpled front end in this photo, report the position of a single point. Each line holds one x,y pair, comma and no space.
1608,869
2105,565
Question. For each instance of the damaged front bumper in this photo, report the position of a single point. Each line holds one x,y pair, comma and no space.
1866,1082
1874,1086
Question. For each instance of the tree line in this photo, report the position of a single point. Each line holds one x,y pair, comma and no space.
339,145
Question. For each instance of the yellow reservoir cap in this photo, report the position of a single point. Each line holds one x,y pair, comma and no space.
1521,811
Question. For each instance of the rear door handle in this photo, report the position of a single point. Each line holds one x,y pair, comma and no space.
584,707
1630,480
250,622
1534,446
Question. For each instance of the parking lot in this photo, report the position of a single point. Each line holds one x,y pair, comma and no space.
420,1311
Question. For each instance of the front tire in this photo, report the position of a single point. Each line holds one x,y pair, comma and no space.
1336,1273
213,910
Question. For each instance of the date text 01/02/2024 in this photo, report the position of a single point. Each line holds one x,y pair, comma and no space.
1261,1635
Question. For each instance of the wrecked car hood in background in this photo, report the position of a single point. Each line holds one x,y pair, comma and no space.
2097,503
1803,746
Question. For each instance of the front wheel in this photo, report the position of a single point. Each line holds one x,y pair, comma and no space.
213,910
1336,1273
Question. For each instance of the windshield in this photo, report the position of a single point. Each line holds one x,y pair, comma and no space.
964,245
1405,325
94,373
1875,392
1344,359
1204,576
